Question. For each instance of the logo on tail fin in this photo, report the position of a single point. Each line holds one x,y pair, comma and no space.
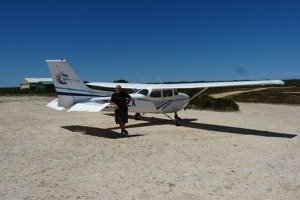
61,78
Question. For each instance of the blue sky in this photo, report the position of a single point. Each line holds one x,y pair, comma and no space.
139,41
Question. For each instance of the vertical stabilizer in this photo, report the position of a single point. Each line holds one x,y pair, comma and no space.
69,87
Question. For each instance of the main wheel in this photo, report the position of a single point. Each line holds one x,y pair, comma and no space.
177,121
137,116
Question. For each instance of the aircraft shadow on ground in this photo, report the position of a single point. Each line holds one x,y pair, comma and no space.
190,123
98,132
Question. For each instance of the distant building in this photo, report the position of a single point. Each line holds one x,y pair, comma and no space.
31,83
42,85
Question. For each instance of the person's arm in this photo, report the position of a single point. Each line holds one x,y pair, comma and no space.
129,99
113,103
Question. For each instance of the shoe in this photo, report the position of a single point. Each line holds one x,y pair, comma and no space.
124,133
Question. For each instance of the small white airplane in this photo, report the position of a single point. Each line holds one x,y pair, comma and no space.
75,95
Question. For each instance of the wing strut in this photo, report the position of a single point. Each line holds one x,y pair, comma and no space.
197,94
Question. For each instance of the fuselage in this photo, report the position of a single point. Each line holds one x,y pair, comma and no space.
157,101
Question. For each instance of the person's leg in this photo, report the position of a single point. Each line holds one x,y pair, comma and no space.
122,126
118,119
124,132
124,120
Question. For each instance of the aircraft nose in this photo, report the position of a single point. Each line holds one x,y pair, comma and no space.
184,100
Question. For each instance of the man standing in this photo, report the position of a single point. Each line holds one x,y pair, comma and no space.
120,100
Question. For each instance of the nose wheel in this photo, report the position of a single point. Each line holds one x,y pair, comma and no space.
177,120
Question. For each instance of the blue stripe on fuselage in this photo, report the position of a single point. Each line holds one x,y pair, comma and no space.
79,94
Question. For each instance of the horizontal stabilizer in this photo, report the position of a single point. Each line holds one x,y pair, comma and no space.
88,107
53,104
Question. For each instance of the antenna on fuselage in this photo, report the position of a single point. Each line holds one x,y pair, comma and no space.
143,80
159,79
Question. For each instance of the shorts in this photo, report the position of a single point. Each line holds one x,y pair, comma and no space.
121,117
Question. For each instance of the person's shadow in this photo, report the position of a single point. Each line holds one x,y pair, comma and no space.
98,132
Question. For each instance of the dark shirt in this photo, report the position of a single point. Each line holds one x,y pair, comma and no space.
120,100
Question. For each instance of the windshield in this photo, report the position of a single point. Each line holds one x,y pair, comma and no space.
143,92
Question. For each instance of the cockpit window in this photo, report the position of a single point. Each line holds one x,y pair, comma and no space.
155,93
167,93
143,92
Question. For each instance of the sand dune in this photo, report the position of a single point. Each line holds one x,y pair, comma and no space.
46,154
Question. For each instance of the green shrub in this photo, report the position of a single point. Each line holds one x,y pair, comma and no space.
206,102
18,91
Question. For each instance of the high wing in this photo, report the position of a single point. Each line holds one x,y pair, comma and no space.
186,85
123,85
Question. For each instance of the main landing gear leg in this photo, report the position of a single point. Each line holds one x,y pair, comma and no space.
177,120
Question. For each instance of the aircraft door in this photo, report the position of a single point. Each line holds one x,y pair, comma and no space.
168,100
156,97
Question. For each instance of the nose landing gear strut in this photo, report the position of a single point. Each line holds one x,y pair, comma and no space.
177,120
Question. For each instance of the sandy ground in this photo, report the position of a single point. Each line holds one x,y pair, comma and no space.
226,94
46,154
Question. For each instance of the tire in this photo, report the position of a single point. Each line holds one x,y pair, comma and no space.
177,121
137,116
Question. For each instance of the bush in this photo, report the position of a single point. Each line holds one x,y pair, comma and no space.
18,91
206,102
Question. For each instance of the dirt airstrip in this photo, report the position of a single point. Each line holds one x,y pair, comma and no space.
47,154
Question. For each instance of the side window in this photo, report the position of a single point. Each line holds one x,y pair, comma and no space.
155,93
167,93
143,92
175,92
